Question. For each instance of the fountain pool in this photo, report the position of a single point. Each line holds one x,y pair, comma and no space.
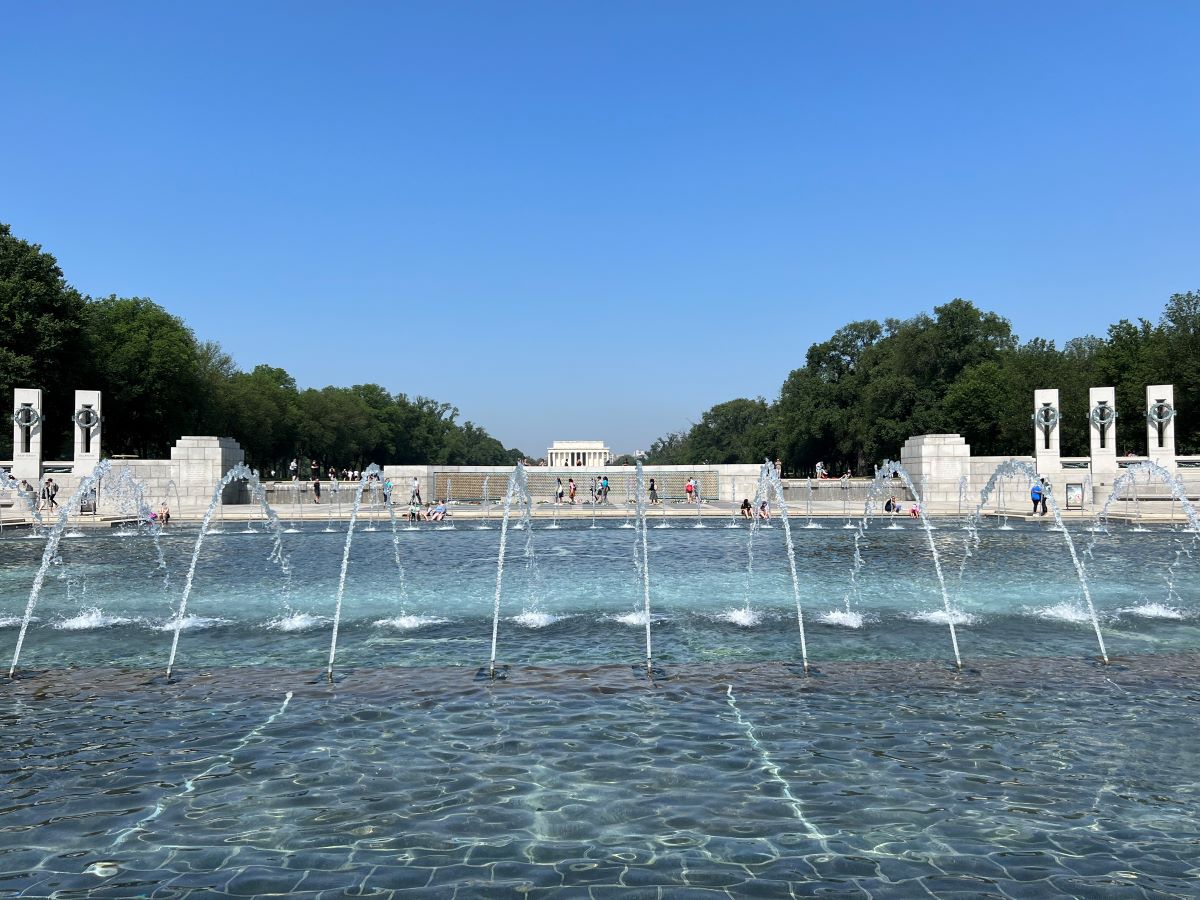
886,772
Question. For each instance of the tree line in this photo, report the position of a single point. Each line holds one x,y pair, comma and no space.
160,382
872,385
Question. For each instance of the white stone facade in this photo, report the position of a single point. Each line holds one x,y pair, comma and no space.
567,454
27,440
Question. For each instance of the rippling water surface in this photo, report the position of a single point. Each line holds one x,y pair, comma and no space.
1035,772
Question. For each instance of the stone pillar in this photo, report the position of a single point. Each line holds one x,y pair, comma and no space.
87,426
936,463
1046,431
1102,427
27,434
198,463
1160,424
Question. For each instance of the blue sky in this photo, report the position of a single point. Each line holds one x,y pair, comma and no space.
597,220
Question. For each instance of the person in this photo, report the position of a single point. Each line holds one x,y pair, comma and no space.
593,490
747,509
294,469
414,510
819,469
653,492
164,514
49,492
764,511
891,506
914,511
415,494
779,467
25,487
1035,495
696,491
604,489
688,488
571,490
439,511
1045,494
316,483
387,492
558,490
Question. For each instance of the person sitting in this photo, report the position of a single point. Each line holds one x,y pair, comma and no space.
914,511
891,506
747,509
439,511
164,515
764,512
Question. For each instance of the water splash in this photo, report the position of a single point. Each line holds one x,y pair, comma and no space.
364,478
644,568
518,490
899,470
240,472
50,552
1013,467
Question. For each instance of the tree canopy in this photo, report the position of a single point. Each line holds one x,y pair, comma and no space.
159,382
871,385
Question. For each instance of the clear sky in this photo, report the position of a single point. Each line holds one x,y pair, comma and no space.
595,220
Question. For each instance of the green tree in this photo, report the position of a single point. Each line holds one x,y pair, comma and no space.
148,365
41,341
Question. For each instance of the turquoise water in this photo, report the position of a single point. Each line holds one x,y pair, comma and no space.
1035,772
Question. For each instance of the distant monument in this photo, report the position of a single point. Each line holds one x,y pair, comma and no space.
565,454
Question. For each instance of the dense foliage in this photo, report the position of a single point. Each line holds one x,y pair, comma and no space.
863,392
159,383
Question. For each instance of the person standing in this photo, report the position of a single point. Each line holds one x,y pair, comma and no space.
49,492
653,492
1035,495
294,469
558,490
593,489
571,490
688,489
387,492
1045,494
604,489
316,484
415,495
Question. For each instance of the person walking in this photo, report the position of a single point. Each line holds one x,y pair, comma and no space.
415,495
558,490
294,469
49,492
571,490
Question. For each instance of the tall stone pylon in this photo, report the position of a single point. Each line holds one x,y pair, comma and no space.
87,426
1102,428
1160,424
1046,431
27,434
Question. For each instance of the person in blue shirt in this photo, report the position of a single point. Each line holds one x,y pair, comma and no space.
1038,498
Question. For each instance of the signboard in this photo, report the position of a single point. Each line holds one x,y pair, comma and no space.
1074,496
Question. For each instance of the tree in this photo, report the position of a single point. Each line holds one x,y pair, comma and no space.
41,341
148,365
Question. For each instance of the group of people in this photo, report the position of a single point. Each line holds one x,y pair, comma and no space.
569,491
748,511
895,507
429,513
